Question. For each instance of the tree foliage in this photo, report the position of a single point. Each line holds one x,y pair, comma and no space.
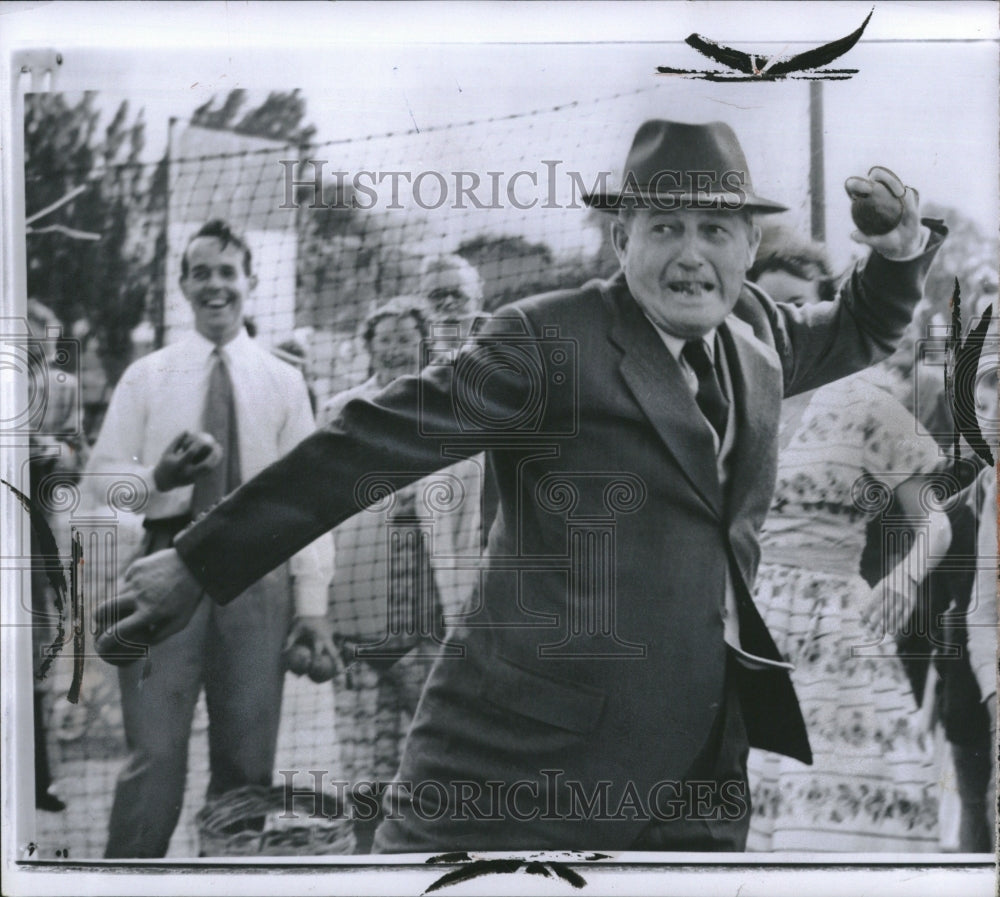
106,281
513,267
280,117
966,250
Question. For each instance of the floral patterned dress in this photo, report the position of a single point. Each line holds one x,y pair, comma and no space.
872,786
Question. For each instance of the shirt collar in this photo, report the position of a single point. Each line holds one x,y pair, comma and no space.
676,343
203,347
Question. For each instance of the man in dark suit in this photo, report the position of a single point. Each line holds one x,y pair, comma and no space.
615,668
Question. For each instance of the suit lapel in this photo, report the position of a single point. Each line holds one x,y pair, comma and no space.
658,385
756,381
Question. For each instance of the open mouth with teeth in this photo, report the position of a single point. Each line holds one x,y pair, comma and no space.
217,302
690,287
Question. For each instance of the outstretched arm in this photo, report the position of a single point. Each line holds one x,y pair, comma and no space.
398,436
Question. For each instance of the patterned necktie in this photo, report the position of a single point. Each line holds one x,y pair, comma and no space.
710,397
219,419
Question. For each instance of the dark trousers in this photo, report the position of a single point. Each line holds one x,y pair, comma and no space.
43,770
721,820
235,652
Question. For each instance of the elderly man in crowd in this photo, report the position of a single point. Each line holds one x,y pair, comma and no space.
453,288
614,668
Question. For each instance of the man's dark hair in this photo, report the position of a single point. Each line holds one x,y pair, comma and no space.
221,231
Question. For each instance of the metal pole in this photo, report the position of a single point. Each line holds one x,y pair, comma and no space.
160,324
817,180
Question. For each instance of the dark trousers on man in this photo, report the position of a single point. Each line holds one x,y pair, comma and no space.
235,652
721,821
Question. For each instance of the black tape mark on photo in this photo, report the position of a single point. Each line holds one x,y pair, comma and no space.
57,580
759,67
471,868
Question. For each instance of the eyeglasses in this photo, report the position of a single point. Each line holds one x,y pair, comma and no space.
442,293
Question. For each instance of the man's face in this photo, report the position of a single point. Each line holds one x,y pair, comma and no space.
216,286
686,267
40,346
449,292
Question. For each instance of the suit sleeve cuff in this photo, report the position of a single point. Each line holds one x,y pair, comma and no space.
925,236
903,280
194,546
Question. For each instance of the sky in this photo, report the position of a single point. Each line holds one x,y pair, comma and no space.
927,109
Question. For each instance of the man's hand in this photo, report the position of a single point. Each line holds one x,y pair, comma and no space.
903,240
157,599
309,649
185,459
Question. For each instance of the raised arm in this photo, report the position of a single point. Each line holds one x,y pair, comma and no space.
829,340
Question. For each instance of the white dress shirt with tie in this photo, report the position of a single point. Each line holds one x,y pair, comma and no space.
723,456
163,393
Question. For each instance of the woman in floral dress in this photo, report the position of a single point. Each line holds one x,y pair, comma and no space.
872,786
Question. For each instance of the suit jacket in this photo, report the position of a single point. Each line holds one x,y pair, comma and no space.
595,653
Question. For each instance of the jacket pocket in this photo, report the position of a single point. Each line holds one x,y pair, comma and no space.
570,706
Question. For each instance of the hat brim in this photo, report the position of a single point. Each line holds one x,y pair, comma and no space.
671,202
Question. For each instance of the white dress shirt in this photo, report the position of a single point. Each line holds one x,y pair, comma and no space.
163,394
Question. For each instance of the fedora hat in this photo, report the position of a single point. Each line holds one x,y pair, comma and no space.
673,165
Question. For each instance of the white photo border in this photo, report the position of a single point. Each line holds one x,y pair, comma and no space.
165,46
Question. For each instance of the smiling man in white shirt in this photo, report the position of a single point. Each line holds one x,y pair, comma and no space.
194,420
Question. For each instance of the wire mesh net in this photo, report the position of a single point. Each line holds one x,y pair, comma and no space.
337,231
456,219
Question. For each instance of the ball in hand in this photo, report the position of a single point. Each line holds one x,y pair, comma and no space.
298,659
875,209
322,667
